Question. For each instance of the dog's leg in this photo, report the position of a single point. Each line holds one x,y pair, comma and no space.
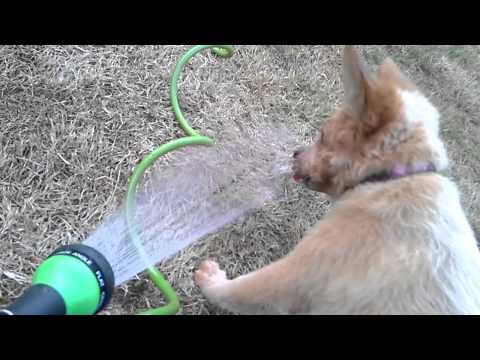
270,290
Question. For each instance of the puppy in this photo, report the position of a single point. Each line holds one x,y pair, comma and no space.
396,240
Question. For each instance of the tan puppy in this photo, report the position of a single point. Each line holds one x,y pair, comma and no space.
396,240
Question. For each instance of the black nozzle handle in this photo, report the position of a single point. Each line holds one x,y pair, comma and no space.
38,299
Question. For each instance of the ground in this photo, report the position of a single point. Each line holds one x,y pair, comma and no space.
76,119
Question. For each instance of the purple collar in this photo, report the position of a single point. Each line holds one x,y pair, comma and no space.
400,171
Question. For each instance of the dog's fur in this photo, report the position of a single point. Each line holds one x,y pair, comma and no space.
398,246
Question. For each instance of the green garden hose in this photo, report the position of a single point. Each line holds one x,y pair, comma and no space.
192,138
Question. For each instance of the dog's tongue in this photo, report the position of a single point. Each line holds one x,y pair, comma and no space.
297,178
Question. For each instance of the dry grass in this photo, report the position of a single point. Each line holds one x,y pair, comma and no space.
75,121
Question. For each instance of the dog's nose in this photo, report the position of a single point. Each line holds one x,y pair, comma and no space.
297,152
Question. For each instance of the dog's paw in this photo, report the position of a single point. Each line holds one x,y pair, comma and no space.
209,275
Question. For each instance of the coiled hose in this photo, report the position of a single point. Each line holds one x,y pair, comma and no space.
192,138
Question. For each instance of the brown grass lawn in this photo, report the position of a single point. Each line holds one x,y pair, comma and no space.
76,119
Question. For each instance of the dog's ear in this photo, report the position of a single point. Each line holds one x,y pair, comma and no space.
356,79
389,71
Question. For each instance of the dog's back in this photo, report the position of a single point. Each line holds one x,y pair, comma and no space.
399,247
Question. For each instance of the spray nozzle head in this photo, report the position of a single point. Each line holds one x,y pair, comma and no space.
98,266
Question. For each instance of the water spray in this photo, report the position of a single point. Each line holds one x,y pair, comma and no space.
77,279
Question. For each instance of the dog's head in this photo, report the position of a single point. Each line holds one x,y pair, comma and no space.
384,122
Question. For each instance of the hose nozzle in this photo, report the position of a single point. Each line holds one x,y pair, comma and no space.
74,280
